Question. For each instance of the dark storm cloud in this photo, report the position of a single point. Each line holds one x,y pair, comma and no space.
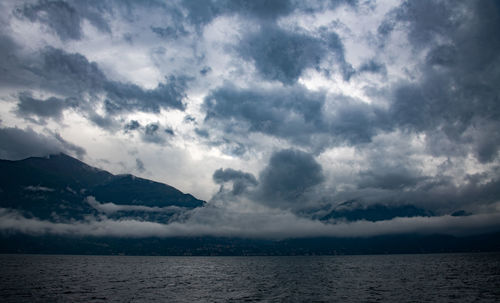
264,9
49,108
293,112
126,96
423,20
74,73
83,85
458,94
283,55
288,176
444,55
69,72
356,122
427,19
278,54
241,180
103,121
288,182
16,144
200,13
296,114
58,15
389,178
14,71
65,18
441,195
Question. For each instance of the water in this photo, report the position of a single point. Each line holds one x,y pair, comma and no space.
387,278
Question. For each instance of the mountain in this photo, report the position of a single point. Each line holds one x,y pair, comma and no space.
60,186
62,190
353,211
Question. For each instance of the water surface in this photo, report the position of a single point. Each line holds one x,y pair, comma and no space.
383,278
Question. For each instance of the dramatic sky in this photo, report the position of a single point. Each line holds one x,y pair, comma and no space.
264,107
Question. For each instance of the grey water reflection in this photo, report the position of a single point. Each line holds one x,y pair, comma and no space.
385,278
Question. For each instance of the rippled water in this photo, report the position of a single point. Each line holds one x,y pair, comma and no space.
387,278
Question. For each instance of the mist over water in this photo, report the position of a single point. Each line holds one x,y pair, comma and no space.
381,278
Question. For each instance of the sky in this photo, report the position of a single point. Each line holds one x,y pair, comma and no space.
265,109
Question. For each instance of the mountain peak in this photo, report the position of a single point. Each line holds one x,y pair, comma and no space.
71,181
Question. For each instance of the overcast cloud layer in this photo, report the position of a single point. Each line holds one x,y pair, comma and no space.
272,111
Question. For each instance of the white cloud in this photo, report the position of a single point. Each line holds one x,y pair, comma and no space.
213,221
110,208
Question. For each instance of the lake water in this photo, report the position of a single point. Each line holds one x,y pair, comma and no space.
383,278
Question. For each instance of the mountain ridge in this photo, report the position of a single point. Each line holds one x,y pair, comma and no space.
59,184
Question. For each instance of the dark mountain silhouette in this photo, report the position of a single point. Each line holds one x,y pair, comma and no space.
128,189
59,185
353,211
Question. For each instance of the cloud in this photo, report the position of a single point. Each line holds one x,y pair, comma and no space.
241,180
261,8
132,125
153,134
201,132
288,176
275,225
296,114
84,88
49,108
38,188
372,66
456,97
111,208
170,32
202,13
70,73
398,178
17,144
283,55
64,18
14,68
139,165
58,15
293,113
68,146
427,19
